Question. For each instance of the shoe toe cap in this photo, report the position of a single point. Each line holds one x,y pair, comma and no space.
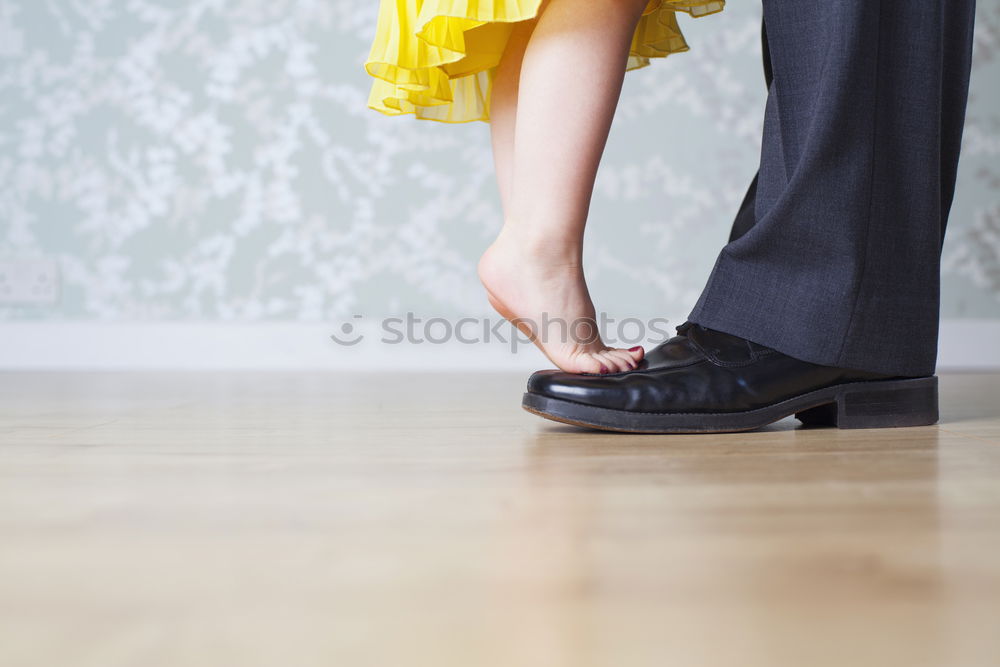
589,389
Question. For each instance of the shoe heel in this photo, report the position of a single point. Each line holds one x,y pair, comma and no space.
885,404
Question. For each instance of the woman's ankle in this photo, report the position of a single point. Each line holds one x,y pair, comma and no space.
541,244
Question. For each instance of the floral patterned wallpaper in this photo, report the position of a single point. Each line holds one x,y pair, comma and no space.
215,160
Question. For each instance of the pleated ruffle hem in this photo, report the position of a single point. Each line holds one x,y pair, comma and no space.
435,58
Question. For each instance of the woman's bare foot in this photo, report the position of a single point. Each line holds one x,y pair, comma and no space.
541,289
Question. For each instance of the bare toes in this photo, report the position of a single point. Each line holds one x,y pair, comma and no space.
624,359
614,363
589,363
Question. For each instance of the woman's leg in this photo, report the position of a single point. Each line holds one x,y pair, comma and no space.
503,107
559,109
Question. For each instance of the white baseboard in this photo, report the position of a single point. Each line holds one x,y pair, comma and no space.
238,346
964,345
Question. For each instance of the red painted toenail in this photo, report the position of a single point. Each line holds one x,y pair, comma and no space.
604,369
635,349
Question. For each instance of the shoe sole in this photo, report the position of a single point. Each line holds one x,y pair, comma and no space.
875,404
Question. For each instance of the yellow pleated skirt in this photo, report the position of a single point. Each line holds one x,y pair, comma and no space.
427,61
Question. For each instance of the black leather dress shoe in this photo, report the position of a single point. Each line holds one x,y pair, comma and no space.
706,381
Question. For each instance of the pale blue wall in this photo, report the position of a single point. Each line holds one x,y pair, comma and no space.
215,160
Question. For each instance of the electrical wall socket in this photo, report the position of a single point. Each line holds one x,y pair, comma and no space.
29,281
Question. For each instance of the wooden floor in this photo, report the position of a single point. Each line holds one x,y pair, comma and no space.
352,520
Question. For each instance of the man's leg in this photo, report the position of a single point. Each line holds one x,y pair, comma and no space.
829,284
834,257
746,216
